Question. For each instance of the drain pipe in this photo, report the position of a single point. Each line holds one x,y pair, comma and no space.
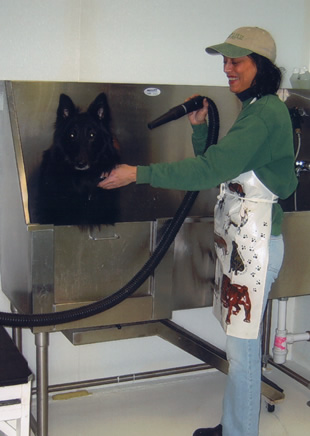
282,337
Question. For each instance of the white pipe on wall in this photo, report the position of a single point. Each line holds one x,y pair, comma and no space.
291,338
282,337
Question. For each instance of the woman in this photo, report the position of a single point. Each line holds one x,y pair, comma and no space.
254,163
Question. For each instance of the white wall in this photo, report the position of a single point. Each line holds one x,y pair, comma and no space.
139,41
163,41
136,41
300,323
40,39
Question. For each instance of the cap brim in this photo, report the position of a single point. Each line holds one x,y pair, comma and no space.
228,50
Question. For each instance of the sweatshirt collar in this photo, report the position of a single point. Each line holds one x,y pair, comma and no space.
247,94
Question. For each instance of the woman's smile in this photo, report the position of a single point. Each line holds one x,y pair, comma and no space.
240,73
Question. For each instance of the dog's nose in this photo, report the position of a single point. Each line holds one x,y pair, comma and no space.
81,166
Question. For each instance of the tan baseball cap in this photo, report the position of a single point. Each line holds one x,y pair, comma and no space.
244,41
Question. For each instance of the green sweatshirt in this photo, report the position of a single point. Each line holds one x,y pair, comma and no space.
261,140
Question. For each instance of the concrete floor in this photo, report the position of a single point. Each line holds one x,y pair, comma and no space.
171,406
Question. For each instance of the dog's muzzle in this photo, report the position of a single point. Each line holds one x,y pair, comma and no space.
82,167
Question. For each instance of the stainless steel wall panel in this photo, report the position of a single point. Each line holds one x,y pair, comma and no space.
98,268
194,264
41,277
133,309
15,242
36,105
294,277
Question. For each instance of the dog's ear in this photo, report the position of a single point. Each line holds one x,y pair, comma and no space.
66,108
99,109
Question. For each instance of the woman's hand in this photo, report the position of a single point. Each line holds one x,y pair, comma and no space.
120,176
199,116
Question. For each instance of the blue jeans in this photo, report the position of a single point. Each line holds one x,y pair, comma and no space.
241,405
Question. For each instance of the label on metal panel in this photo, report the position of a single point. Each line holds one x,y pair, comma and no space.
152,92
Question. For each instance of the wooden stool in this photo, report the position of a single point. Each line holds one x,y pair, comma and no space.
15,388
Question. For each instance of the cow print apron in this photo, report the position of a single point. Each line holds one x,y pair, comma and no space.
243,218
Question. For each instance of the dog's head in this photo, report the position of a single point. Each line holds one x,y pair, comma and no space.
83,140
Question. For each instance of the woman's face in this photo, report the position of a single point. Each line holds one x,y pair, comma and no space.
240,73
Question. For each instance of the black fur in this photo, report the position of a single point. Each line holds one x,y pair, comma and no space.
83,147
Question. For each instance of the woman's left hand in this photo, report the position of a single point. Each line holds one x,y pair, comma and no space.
120,176
198,116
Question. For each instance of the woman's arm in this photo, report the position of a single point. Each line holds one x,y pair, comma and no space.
120,176
123,175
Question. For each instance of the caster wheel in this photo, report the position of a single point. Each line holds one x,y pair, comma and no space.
270,408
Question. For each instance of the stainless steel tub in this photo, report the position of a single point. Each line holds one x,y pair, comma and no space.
45,268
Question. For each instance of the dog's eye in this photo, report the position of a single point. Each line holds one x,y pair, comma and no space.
91,134
72,135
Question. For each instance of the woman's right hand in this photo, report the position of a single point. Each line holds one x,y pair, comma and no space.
199,116
120,176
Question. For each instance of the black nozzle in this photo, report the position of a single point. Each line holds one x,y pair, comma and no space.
178,111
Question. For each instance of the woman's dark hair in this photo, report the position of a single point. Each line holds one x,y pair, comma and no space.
268,77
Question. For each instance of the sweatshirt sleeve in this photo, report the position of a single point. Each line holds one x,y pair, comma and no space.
199,138
242,149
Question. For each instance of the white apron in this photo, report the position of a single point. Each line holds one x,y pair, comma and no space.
243,219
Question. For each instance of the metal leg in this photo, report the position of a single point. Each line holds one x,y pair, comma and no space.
17,333
206,352
42,342
266,334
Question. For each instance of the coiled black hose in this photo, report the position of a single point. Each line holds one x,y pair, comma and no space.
46,319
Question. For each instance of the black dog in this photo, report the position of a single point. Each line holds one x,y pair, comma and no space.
83,148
